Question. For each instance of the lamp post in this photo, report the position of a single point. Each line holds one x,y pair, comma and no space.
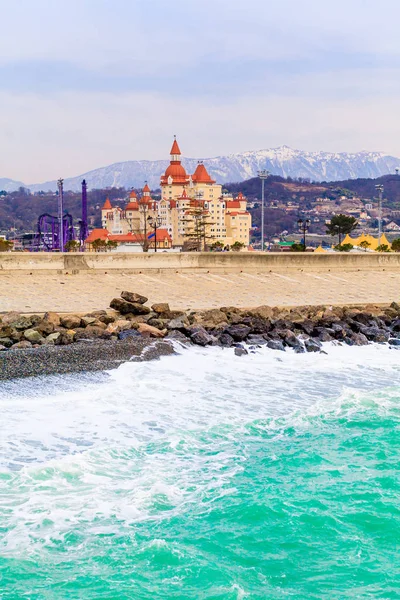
155,222
60,183
263,175
379,189
304,225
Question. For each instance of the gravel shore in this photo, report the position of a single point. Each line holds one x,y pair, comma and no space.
97,355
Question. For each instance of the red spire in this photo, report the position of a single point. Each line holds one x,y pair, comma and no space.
107,205
175,148
146,190
133,194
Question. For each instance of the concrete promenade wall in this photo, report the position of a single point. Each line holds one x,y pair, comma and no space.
195,262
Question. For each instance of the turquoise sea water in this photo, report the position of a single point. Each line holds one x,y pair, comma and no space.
205,476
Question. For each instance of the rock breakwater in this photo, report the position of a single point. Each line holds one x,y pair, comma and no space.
303,329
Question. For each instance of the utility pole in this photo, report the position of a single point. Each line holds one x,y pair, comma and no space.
379,188
263,175
60,183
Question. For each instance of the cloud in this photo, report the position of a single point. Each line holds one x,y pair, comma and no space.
91,82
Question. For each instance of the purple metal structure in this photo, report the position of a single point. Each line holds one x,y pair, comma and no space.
53,233
49,236
83,225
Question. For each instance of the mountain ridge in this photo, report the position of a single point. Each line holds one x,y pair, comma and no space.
283,161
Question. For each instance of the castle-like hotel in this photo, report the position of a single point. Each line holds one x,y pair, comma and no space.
192,213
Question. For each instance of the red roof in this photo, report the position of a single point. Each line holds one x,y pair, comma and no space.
126,237
177,172
201,175
146,189
107,205
133,194
175,148
161,236
234,214
232,204
240,196
132,206
97,234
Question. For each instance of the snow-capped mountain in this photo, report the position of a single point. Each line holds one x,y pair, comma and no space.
283,161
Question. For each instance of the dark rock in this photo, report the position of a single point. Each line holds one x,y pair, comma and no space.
358,339
275,345
175,334
290,339
299,349
363,318
125,307
256,339
283,324
107,319
226,340
181,323
312,345
91,332
159,323
324,335
240,351
307,326
202,338
6,342
128,333
238,332
394,341
396,325
375,334
134,297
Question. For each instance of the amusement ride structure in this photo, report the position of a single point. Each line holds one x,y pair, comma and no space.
54,232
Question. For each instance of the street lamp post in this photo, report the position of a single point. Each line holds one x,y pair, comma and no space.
263,175
60,183
155,222
379,189
304,225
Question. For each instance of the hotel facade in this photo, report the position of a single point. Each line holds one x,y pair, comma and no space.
192,213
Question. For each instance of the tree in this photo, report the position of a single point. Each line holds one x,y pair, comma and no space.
383,248
99,245
71,245
111,245
198,227
341,225
344,247
365,244
217,246
297,247
396,245
237,246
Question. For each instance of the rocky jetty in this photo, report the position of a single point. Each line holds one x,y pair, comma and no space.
303,328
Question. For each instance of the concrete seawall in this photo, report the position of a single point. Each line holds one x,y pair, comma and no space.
253,262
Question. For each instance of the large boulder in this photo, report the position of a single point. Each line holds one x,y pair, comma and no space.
10,317
23,345
180,323
240,351
71,321
202,338
134,297
24,323
161,308
52,338
276,345
375,334
148,331
209,318
238,332
128,333
261,312
33,336
91,332
125,307
226,340
312,345
53,318
119,325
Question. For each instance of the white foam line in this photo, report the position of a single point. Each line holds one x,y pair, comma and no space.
284,277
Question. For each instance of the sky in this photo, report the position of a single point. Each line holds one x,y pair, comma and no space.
86,83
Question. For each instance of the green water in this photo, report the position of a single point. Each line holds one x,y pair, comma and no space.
298,505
